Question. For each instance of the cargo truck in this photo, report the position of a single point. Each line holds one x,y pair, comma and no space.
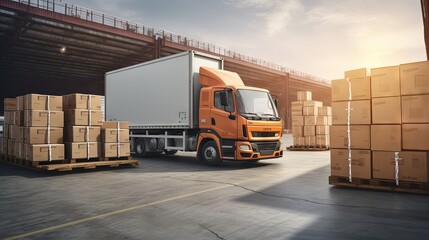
187,102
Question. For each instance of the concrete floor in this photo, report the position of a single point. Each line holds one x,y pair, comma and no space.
179,198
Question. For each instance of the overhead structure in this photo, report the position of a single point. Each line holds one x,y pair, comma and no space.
425,12
52,47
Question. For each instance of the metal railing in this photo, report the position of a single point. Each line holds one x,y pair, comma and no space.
120,23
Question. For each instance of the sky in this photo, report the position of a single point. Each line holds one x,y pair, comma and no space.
319,37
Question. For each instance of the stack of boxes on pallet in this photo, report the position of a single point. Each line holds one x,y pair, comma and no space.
115,138
387,115
310,121
34,129
83,120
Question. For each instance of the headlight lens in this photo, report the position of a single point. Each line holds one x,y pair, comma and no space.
277,134
244,147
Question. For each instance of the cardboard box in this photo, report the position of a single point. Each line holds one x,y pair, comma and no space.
110,135
39,102
415,136
19,137
322,130
324,120
40,152
325,111
18,117
360,88
80,117
39,135
310,111
415,109
83,150
359,135
313,104
360,112
13,132
297,120
386,137
116,149
356,73
303,95
309,131
310,120
385,82
414,78
20,103
323,140
310,140
9,104
82,101
296,111
361,163
297,131
82,134
6,130
10,147
412,166
386,110
298,141
113,124
297,103
19,150
39,118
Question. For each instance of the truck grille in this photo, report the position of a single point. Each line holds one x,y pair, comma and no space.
266,148
264,134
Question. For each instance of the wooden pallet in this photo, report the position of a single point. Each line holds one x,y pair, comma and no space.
68,165
308,148
381,184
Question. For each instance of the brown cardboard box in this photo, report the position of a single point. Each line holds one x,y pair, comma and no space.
360,88
4,146
20,103
313,104
113,124
359,134
322,130
296,111
415,109
9,104
83,150
324,120
110,135
79,117
386,110
39,102
325,111
323,140
19,151
414,78
299,141
415,136
310,120
310,111
13,132
37,118
297,103
297,131
310,140
19,137
309,131
81,133
360,112
303,95
385,82
18,117
412,166
39,135
40,152
116,149
6,131
10,147
361,163
297,120
356,73
386,137
80,101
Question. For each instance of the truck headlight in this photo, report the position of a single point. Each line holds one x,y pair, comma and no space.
276,134
244,147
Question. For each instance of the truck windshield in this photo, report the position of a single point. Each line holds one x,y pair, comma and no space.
255,104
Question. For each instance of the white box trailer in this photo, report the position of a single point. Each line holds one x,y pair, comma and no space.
158,94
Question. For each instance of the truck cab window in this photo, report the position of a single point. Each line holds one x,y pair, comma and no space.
217,101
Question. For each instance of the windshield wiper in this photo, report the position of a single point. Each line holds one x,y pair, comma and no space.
271,116
252,114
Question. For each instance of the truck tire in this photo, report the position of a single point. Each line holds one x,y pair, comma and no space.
170,152
210,154
140,148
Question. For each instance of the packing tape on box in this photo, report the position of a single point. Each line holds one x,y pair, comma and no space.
87,150
349,143
118,147
48,98
397,158
87,142
89,110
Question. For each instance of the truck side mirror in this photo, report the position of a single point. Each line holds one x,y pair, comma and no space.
223,98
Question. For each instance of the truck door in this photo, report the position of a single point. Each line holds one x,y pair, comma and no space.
223,120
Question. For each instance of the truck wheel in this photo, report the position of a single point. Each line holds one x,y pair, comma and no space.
170,152
140,148
210,154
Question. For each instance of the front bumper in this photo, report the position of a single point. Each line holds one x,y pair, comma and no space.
258,150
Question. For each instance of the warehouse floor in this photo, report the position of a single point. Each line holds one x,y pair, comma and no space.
179,198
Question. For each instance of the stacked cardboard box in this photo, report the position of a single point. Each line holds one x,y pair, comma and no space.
9,122
115,138
399,118
310,121
83,120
